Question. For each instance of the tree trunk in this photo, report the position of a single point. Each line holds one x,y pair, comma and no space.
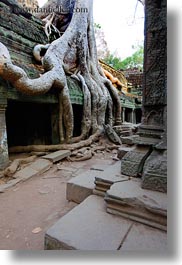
72,53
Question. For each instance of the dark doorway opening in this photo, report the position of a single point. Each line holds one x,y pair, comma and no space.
138,116
78,114
128,115
28,123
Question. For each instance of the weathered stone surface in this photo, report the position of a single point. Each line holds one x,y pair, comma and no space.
41,165
132,162
112,135
155,61
87,227
80,187
37,167
26,173
128,199
154,175
123,150
99,167
111,175
57,156
148,141
145,238
129,140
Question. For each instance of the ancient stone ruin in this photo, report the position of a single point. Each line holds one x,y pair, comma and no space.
114,201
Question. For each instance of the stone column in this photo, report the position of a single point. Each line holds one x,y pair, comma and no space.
4,158
155,72
153,130
123,112
152,165
133,116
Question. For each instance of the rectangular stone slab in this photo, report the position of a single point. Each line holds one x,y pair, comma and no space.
87,227
41,165
145,238
57,156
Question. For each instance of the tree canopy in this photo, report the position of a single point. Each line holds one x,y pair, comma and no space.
135,60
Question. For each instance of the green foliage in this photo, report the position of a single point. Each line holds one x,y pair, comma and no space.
135,60
98,26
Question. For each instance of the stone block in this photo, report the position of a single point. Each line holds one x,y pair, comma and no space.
41,165
37,167
122,151
111,175
129,140
57,156
133,161
87,227
25,173
128,199
146,239
80,187
154,175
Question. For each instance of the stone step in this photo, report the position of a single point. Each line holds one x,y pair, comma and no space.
57,156
89,227
111,175
125,133
129,140
123,150
81,186
129,200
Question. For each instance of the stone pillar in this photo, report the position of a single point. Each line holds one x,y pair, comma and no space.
155,71
123,112
4,158
133,116
153,129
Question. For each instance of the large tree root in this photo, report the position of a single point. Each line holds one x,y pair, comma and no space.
10,171
51,148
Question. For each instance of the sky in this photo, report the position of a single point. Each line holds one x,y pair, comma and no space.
122,23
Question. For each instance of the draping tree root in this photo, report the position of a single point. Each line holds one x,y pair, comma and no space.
11,170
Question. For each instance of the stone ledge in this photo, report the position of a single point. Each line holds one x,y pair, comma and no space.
129,200
87,227
57,156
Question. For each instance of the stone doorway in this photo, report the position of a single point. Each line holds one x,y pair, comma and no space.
28,123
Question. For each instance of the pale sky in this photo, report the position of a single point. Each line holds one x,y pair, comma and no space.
117,20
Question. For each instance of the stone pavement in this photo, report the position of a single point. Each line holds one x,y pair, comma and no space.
127,213
89,227
99,222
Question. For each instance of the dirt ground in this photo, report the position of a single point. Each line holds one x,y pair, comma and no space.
28,209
